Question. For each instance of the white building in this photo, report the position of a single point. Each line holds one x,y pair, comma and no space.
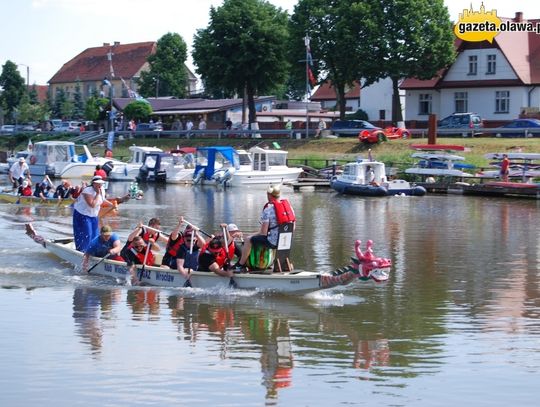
498,80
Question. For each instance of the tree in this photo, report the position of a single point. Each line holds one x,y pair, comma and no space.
13,86
96,108
345,42
418,42
78,104
138,110
243,49
167,75
29,112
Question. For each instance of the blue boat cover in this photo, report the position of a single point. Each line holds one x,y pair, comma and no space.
206,159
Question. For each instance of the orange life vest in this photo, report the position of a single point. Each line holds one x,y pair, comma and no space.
150,259
284,211
172,247
219,252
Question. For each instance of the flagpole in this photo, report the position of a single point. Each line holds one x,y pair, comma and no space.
306,42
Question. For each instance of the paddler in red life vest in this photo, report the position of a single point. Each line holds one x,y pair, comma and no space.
215,256
148,233
276,212
176,238
136,252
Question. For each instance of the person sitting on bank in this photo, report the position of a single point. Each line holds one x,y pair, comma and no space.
137,252
271,218
215,256
187,255
106,244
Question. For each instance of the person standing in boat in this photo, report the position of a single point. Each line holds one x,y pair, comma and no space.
18,172
505,168
85,213
106,244
277,211
100,172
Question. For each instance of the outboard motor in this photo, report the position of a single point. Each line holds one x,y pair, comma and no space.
107,167
143,174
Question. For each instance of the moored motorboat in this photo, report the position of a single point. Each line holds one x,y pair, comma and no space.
368,178
365,266
129,171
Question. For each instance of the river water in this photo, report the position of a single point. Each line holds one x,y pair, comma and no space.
458,323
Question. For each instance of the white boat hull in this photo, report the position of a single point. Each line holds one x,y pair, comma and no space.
124,172
273,176
296,282
437,172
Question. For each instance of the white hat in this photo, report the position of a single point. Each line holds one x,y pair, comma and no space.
231,227
98,180
274,190
22,160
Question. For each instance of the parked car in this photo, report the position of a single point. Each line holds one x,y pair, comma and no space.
148,127
7,129
466,121
521,127
351,127
68,127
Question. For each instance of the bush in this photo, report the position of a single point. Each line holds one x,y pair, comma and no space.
358,115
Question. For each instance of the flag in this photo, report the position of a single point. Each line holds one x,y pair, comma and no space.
311,77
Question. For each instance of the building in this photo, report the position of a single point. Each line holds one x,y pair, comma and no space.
121,64
499,80
375,99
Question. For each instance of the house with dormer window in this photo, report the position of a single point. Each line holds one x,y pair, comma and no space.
498,80
121,64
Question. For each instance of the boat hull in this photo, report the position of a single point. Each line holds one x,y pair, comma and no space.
32,200
374,191
265,177
294,282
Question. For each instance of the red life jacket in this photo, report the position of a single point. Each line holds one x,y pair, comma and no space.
219,253
284,211
172,247
147,234
150,260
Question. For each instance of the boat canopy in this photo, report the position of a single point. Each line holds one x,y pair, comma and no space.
209,159
49,152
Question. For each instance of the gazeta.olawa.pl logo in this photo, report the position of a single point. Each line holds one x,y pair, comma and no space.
476,26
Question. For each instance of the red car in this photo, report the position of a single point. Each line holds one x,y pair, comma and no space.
380,135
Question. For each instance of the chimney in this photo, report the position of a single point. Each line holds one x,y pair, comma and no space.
105,44
519,17
116,43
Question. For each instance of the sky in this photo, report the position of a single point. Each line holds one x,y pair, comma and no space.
42,35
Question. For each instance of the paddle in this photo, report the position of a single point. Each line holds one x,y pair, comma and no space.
98,263
156,230
144,261
232,283
195,227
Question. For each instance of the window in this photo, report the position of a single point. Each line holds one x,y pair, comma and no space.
502,101
473,64
425,104
460,101
491,64
382,114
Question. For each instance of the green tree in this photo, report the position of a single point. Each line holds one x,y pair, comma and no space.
167,75
33,94
96,108
345,42
418,42
243,49
138,110
78,104
29,112
13,86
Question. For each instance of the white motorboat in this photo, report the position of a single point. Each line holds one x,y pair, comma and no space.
51,157
439,165
129,171
86,164
174,168
264,166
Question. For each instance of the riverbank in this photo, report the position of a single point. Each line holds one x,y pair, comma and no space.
319,151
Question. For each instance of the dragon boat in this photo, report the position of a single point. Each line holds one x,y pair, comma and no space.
364,267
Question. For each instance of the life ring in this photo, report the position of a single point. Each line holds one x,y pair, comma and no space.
33,159
265,108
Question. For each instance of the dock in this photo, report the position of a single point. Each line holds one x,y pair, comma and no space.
309,184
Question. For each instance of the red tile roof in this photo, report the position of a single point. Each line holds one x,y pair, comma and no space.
92,64
327,92
41,92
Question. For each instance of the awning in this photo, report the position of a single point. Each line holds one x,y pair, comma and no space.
165,112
